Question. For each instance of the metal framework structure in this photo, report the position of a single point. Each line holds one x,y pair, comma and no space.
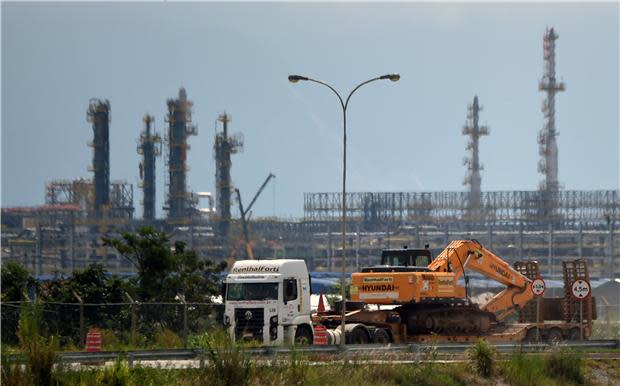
375,209
149,146
225,145
180,203
46,233
121,200
548,147
99,115
473,179
75,192
81,193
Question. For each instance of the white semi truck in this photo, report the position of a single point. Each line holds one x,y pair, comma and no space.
268,301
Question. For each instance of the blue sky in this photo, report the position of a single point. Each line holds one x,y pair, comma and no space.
235,57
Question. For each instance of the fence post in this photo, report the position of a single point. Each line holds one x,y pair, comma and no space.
82,332
181,298
550,251
134,317
607,317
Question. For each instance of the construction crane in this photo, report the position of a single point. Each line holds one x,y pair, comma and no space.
244,212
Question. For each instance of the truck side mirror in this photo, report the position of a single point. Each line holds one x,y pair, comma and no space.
223,290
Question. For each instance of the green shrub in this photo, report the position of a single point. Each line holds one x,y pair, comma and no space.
430,357
198,341
40,352
109,341
228,364
297,370
482,358
566,364
524,370
12,373
167,339
118,374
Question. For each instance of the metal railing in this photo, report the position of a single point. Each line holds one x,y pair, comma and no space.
417,350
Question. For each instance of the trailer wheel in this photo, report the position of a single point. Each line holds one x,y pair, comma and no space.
381,336
554,336
303,336
530,335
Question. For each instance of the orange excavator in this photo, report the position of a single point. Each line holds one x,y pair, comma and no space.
432,294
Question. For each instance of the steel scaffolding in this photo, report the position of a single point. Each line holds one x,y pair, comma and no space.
473,179
509,207
225,145
98,115
180,203
81,193
548,147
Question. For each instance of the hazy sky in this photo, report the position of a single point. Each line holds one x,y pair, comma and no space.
235,57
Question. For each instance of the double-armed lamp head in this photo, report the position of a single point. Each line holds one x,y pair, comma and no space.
297,78
392,77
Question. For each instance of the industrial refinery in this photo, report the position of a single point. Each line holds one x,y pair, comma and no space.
550,225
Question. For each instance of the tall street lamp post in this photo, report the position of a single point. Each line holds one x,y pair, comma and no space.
344,105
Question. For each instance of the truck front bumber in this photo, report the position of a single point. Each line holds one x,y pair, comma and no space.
254,320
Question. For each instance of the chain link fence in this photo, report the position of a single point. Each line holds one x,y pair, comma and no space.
168,324
607,325
123,325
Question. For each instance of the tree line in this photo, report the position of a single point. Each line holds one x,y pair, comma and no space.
165,273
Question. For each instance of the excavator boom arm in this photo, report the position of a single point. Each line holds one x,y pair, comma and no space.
470,254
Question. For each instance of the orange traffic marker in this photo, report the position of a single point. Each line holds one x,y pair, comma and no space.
321,308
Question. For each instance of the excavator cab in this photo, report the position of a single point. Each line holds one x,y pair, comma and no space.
403,260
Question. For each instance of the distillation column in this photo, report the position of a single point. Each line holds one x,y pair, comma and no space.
548,147
224,146
99,115
180,201
473,179
149,147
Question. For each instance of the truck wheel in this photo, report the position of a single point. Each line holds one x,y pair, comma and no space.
381,336
357,335
303,336
574,334
554,336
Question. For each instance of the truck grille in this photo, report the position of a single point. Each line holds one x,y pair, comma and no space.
249,321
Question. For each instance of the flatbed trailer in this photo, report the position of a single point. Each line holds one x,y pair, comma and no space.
554,332
559,319
363,326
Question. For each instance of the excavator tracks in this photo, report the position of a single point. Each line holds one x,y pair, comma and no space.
447,319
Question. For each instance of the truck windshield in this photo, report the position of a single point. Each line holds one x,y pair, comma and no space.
252,291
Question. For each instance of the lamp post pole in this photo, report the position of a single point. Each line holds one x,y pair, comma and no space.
344,105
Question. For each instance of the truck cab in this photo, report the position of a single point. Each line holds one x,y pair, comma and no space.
268,301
